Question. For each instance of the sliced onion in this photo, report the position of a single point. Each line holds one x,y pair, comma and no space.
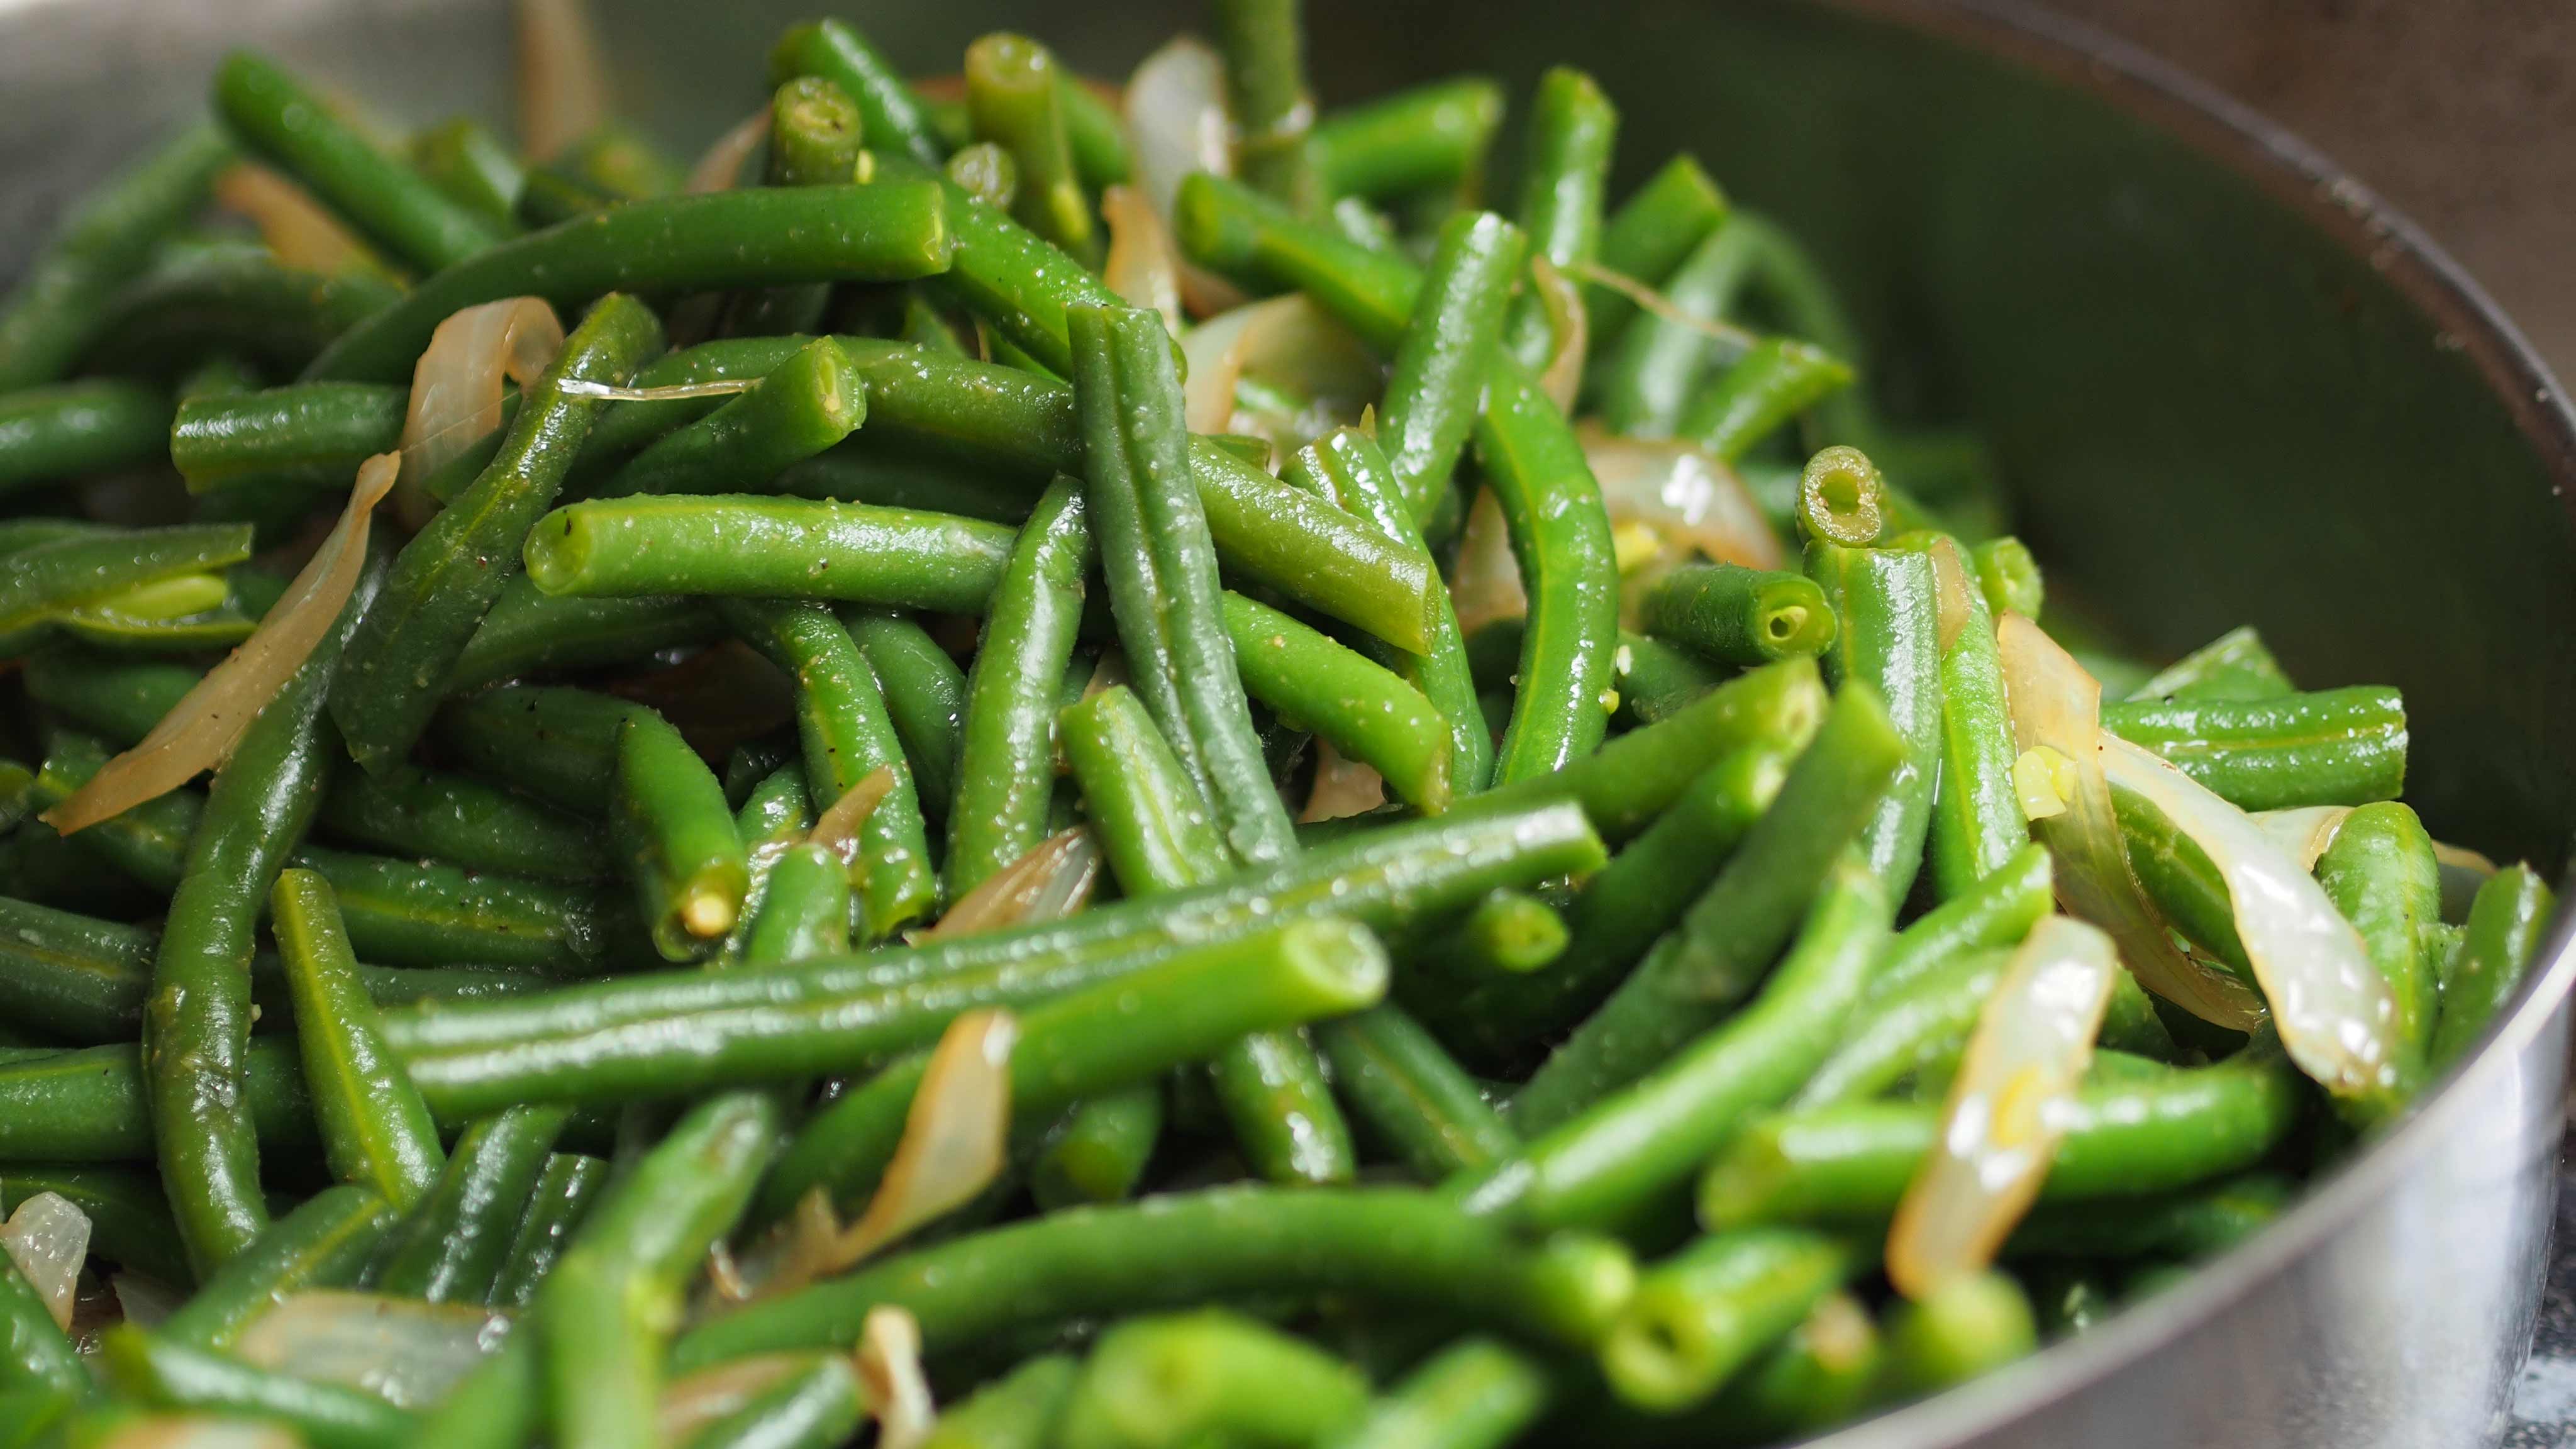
2334,1011
1176,113
1954,593
671,392
1717,329
200,731
720,165
1343,786
456,385
301,232
1287,341
1486,584
1143,267
192,1431
48,1238
889,1361
2460,857
563,79
2304,832
144,1302
837,828
403,1350
2007,1107
1049,883
690,1404
1688,494
2056,706
1569,325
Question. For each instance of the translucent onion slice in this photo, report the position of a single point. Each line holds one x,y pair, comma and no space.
299,230
1569,325
48,1238
1486,584
191,1431
2460,857
563,79
403,1350
456,385
2007,1107
1176,113
1049,883
2057,707
670,392
1286,341
1343,786
1687,494
889,1361
1143,267
690,1404
720,165
2334,1011
2303,833
144,1302
200,731
837,828
1952,592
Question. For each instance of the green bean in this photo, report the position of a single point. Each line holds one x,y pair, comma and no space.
1005,752
34,1353
765,236
1369,714
2235,665
322,1244
1851,1163
1997,912
88,1106
1099,1038
461,821
889,478
449,575
618,1038
2333,747
743,547
1474,1394
1280,1104
553,742
1506,933
1965,1328
1390,1245
803,406
376,1131
233,303
1717,954
1646,239
1209,1376
609,1306
1605,1162
1017,100
1432,137
1890,638
987,173
669,822
50,580
1776,380
1438,379
129,1219
450,1247
1413,1095
2506,929
1151,826
57,307
318,430
1100,1151
1736,615
815,131
1161,571
2380,873
1920,1029
819,1406
1656,680
2010,579
1646,379
1572,126
836,51
153,1369
804,909
557,1205
1264,46
925,696
1017,1411
388,202
842,721
69,975
75,429
1977,822
1707,1311
1820,1376
471,167
2193,1223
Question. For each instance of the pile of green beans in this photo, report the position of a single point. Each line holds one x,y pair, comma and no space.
1441,1014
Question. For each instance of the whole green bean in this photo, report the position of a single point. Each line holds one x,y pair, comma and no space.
459,820
1921,1029
449,1248
1150,824
1616,1155
1264,46
49,318
1370,715
804,405
48,581
1661,223
1437,381
1703,1314
1100,1038
1474,1394
1656,679
2380,873
1209,1376
241,303
471,166
1977,822
669,821
1390,1245
391,204
554,742
925,694
34,1353
376,1131
1776,380
1413,1094
1005,751
888,231
2333,747
1572,127
2235,665
89,1106
1997,912
1016,1411
803,910
815,132
72,430
556,1207
449,574
2193,1223
1726,939
1890,638
836,51
1428,138
1100,1151
1736,615
315,429
2506,928
150,1368
2009,576
530,631
747,547
322,1244
1645,380
842,721
1017,100
72,976
1851,1163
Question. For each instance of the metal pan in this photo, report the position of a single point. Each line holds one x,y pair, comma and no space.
2227,383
